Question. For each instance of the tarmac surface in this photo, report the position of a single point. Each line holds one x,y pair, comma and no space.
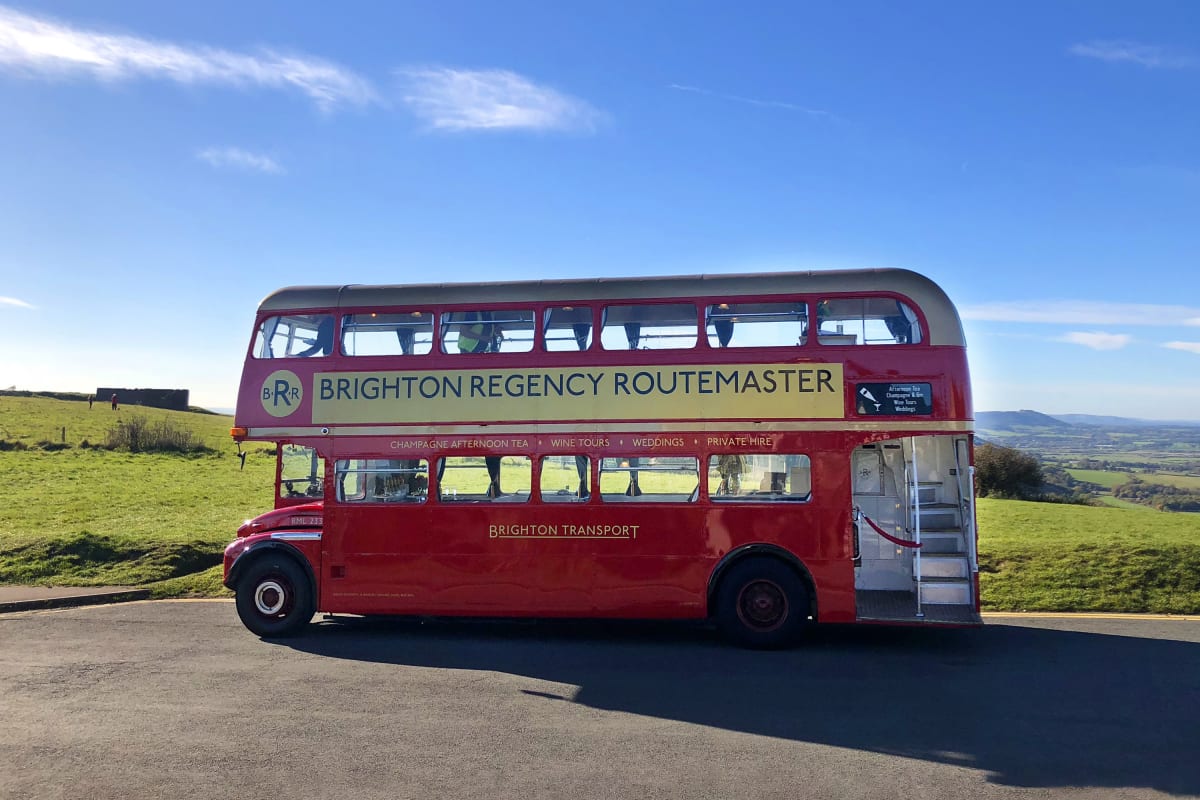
176,699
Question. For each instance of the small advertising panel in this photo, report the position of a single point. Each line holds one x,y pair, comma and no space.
890,399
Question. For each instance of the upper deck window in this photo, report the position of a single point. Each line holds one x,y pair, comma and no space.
294,336
867,320
409,333
757,324
567,328
495,331
649,327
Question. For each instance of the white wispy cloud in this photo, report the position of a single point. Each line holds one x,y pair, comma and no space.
12,301
1150,56
239,159
1097,340
495,99
752,101
44,47
1082,312
1189,347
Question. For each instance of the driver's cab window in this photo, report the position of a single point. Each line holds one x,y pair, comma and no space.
294,336
301,473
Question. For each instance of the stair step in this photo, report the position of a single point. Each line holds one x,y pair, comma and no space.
943,566
945,592
943,518
943,542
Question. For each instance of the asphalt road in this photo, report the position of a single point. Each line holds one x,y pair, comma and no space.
176,699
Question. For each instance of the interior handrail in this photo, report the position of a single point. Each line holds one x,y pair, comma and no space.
893,539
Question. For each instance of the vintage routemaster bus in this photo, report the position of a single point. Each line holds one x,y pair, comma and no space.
767,451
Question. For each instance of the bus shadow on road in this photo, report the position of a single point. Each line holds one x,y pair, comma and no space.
1031,707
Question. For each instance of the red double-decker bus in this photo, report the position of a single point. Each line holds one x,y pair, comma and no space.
769,451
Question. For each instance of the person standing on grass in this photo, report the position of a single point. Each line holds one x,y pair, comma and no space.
114,401
91,399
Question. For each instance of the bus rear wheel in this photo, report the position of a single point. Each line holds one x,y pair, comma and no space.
762,604
274,597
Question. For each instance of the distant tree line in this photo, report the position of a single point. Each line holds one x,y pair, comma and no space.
1104,465
1157,495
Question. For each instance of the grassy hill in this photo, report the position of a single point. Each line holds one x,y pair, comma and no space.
85,516
30,420
1050,557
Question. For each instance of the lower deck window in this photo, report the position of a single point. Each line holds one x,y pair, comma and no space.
484,479
657,479
759,478
565,479
365,480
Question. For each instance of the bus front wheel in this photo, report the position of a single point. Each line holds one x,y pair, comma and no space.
274,597
762,604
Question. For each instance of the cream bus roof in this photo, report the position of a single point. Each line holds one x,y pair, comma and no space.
945,327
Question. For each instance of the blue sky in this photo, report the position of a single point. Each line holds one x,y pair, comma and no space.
164,166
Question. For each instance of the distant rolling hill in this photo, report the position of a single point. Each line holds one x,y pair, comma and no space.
1087,435
1120,422
1026,419
1017,420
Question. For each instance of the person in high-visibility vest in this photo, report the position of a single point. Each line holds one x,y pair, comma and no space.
474,338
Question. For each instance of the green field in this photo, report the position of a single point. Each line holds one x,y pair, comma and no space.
1099,477
1172,479
80,516
1109,478
1050,557
1116,502
35,419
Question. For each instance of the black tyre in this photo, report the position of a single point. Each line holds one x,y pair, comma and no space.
275,597
762,603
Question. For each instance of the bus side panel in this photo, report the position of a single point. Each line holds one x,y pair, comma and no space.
513,558
470,559
665,572
662,571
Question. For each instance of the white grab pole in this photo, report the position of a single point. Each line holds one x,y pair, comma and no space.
916,493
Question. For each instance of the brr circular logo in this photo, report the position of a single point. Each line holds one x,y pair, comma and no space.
281,393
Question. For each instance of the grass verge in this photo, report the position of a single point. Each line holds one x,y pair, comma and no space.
198,584
1046,557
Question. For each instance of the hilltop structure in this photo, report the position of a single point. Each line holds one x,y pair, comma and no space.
174,399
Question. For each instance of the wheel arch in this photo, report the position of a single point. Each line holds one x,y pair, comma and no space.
265,548
740,554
